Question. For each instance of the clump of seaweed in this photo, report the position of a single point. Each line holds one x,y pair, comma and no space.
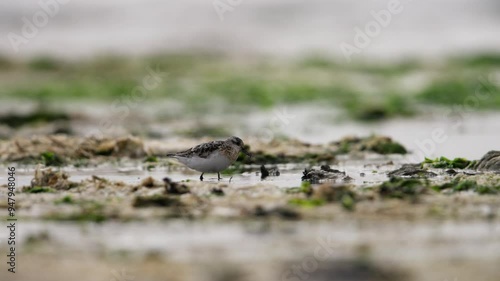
65,200
61,149
325,173
39,189
306,202
336,193
402,188
50,158
305,188
458,185
47,178
443,163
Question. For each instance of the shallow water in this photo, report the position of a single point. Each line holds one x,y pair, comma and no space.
370,172
425,248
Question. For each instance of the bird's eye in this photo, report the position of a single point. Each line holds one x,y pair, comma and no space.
237,141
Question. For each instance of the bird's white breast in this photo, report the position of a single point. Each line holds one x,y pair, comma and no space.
214,163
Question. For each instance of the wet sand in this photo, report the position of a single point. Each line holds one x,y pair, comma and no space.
250,232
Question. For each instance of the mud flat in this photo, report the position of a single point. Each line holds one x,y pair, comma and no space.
114,207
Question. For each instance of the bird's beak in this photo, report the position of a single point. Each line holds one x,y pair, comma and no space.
246,152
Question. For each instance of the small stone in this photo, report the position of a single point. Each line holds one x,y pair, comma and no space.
451,172
326,173
411,171
172,187
150,182
217,191
266,172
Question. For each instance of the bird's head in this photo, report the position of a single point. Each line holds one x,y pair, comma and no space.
235,141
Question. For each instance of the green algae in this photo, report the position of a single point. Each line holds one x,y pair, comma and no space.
306,202
197,80
51,159
402,188
65,200
443,162
458,185
39,189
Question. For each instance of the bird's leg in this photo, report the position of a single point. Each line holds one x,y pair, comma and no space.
218,176
201,177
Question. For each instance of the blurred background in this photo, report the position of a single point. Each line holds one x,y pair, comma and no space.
341,68
82,29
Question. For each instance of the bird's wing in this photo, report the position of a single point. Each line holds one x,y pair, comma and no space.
203,150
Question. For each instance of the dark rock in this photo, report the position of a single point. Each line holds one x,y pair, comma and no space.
175,188
489,162
265,172
150,182
347,179
217,191
451,172
317,176
327,168
412,171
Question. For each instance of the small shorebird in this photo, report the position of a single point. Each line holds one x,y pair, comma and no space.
211,157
